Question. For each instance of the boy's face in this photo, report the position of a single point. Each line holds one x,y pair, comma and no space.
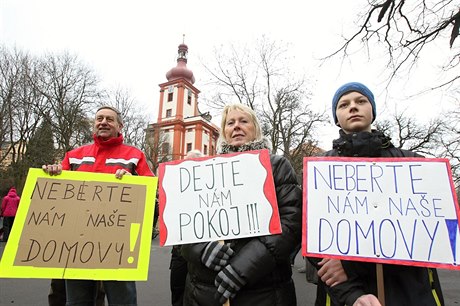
354,113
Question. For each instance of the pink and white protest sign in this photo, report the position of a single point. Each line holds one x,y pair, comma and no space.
217,198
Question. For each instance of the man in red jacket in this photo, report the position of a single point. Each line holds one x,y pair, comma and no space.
10,205
108,154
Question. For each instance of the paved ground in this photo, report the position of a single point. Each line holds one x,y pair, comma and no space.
155,291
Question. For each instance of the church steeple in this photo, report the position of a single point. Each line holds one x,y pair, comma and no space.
182,53
181,70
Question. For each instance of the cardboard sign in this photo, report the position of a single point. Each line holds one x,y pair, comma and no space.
217,198
81,225
389,210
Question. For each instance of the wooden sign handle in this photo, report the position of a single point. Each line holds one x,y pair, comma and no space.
380,284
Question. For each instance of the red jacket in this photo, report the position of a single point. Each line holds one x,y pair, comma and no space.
107,157
10,203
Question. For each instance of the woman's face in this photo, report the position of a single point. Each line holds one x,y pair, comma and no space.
239,128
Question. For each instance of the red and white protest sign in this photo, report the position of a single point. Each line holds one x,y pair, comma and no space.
217,198
388,210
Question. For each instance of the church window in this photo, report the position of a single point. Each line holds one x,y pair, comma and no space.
189,97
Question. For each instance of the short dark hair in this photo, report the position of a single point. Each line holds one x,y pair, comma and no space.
119,118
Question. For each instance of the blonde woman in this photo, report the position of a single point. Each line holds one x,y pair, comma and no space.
250,271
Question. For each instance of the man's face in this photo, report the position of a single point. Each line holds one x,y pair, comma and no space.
106,124
354,113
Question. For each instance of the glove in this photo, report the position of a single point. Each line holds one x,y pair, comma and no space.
228,283
215,256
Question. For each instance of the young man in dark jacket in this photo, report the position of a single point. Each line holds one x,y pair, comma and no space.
352,282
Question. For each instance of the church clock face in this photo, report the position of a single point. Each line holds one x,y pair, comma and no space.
170,88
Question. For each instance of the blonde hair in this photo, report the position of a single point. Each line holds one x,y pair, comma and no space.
242,108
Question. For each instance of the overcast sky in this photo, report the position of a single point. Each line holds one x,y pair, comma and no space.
132,44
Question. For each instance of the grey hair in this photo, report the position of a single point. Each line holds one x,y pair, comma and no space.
193,154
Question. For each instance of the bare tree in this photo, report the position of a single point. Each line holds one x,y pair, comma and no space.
450,142
291,123
405,29
9,79
19,117
156,147
237,72
12,90
70,90
261,79
440,137
408,134
134,117
46,102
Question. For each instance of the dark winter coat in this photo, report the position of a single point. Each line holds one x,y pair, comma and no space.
10,203
262,261
404,285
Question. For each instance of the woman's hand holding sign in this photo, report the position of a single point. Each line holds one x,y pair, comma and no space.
216,255
228,283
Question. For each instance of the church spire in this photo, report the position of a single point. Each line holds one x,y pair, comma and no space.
181,70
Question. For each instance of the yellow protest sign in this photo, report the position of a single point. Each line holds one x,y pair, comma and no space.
82,225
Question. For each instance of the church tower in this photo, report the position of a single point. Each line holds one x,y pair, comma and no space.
180,126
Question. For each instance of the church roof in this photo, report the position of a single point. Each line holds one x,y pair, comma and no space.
181,70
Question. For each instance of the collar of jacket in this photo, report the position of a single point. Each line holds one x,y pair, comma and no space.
109,142
361,144
225,148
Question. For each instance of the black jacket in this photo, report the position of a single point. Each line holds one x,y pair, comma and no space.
262,261
404,285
